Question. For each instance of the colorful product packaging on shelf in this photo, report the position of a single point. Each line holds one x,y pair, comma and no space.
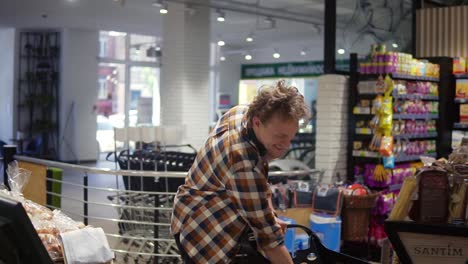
459,65
461,88
464,113
328,229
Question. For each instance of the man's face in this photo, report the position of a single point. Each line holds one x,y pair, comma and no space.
275,134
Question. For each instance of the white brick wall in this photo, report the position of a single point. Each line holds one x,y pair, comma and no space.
185,72
332,125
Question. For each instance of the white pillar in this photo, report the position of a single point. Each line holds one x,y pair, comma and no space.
185,71
332,125
7,84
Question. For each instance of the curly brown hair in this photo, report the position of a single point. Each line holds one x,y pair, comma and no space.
280,98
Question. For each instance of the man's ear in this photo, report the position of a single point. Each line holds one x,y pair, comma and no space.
256,121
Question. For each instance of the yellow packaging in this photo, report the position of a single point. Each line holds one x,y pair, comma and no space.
464,113
461,88
459,65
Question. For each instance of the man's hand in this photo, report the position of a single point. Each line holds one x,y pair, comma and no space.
283,224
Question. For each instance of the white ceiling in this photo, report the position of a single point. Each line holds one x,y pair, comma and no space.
139,16
298,22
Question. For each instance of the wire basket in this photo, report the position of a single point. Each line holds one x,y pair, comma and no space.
355,216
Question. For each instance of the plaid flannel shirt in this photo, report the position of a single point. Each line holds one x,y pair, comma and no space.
226,191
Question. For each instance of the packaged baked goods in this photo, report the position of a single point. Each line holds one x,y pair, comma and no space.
48,224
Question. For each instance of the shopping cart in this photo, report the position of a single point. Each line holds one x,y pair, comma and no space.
145,205
316,253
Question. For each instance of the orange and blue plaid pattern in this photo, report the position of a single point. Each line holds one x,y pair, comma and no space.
226,191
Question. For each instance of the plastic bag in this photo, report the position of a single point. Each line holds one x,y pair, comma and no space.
17,178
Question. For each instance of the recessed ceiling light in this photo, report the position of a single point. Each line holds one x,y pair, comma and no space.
303,52
220,16
341,51
163,10
221,43
222,58
395,45
116,34
248,57
249,38
276,55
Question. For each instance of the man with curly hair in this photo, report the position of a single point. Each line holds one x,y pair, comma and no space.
226,190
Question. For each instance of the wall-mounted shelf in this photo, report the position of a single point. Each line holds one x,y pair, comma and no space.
461,126
461,76
416,97
399,76
415,116
416,136
461,100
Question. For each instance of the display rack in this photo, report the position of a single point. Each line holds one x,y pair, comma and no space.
442,135
38,93
457,125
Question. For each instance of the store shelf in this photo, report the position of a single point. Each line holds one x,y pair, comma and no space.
461,100
416,78
416,97
365,154
416,136
363,131
367,95
415,116
406,158
365,116
399,158
399,76
461,126
461,76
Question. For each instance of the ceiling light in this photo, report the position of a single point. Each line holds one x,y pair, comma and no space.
116,34
303,53
395,45
163,10
222,58
157,3
221,43
250,37
248,57
341,51
158,48
276,55
220,16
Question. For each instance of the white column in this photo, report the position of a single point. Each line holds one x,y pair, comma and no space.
332,123
185,71
78,94
7,83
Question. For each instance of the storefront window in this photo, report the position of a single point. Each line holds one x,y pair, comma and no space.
127,85
112,45
144,48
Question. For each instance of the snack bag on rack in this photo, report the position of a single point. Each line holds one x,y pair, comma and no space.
386,146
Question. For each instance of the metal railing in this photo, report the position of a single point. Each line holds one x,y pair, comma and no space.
136,222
